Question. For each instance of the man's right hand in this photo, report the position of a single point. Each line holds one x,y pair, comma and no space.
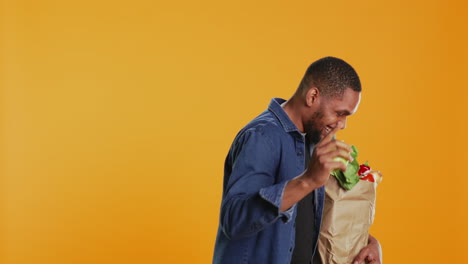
321,163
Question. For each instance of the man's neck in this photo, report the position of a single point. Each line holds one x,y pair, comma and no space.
291,110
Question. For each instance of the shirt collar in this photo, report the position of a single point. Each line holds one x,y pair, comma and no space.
275,107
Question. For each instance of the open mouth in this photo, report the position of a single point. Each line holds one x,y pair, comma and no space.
327,130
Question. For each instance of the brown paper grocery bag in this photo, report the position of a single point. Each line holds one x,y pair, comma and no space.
347,217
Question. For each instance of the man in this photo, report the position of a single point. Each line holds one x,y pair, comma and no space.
277,166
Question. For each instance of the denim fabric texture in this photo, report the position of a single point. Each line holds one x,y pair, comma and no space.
264,156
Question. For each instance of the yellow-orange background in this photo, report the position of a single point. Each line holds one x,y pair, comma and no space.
116,117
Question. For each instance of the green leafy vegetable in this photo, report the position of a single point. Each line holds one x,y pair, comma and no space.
349,178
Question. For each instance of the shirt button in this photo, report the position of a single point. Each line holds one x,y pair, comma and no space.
299,153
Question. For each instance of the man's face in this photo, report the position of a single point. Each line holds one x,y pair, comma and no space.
331,111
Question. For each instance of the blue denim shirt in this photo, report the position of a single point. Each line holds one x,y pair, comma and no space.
265,155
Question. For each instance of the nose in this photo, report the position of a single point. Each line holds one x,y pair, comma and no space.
344,123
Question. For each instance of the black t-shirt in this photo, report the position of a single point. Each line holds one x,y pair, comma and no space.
305,230
305,225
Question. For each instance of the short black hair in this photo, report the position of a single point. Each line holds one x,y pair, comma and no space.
331,76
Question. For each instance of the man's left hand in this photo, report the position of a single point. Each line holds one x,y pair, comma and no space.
371,254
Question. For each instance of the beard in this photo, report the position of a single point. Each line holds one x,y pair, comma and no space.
313,128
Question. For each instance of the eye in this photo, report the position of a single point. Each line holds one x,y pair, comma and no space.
339,114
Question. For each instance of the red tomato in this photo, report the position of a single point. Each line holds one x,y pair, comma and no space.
369,177
363,168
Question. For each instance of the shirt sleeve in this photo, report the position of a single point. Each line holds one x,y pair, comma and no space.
252,199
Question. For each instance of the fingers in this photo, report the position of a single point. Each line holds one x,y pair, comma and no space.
371,258
334,165
338,153
334,145
359,259
333,149
329,137
366,256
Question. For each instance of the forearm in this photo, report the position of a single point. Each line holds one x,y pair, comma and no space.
244,214
295,190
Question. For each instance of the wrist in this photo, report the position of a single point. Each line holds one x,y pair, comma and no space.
307,183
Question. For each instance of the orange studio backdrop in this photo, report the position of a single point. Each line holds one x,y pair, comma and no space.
116,117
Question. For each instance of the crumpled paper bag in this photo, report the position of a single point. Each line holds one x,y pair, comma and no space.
347,217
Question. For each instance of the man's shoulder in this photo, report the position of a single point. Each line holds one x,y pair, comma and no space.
266,124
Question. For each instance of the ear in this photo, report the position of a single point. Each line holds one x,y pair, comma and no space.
312,96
